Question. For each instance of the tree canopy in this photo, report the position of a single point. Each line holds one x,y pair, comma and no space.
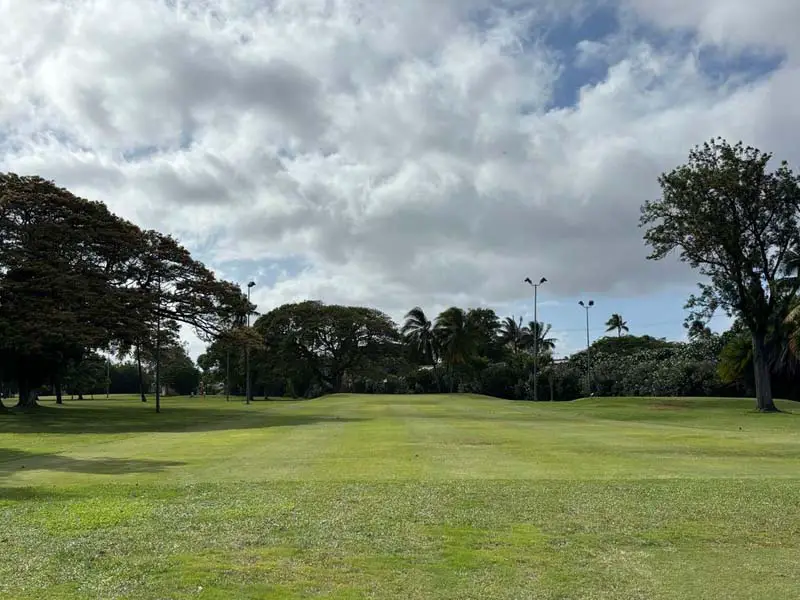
736,222
75,279
324,341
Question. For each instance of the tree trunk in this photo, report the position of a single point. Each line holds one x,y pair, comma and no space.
438,378
27,397
761,370
141,378
59,394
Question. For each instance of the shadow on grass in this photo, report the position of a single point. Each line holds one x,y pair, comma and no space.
120,418
24,494
13,460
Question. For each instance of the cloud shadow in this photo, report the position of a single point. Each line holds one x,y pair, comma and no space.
13,460
141,418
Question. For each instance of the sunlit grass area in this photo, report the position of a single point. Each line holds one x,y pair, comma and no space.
400,497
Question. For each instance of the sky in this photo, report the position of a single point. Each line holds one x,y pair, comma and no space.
401,153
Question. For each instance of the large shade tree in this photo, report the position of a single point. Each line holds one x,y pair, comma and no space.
74,279
323,343
64,265
735,221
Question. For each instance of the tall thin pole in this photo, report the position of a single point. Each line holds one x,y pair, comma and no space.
588,357
247,344
586,306
158,349
535,342
535,334
108,376
228,375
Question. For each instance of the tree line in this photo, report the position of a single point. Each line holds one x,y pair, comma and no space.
77,281
310,349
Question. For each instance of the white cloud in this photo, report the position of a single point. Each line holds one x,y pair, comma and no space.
768,24
404,152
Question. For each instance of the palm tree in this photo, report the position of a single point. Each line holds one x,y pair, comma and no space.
512,334
418,334
455,338
538,332
616,322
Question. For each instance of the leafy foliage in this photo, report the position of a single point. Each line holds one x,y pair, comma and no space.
737,224
75,279
318,345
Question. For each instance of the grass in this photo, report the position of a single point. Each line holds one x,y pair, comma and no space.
425,497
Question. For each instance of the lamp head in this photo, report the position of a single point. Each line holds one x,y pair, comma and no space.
581,303
591,302
544,279
251,284
528,280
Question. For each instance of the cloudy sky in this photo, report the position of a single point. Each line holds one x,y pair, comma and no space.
396,153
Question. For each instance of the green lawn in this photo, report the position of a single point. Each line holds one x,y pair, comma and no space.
401,497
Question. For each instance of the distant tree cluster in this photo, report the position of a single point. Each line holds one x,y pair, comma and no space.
311,349
78,283
724,213
76,280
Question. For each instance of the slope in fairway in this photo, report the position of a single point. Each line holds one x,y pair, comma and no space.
401,497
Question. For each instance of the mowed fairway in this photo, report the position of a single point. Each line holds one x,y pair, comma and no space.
401,497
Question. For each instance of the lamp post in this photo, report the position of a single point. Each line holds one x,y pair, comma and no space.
586,307
158,349
250,286
535,333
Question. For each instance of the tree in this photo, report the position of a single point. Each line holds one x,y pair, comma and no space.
616,322
313,343
179,373
697,329
512,334
74,279
86,376
737,223
485,326
417,332
455,336
125,378
64,265
538,332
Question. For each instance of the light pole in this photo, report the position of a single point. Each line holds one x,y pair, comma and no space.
108,376
586,307
535,333
250,286
158,349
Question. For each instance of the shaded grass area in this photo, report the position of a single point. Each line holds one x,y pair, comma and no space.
401,497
